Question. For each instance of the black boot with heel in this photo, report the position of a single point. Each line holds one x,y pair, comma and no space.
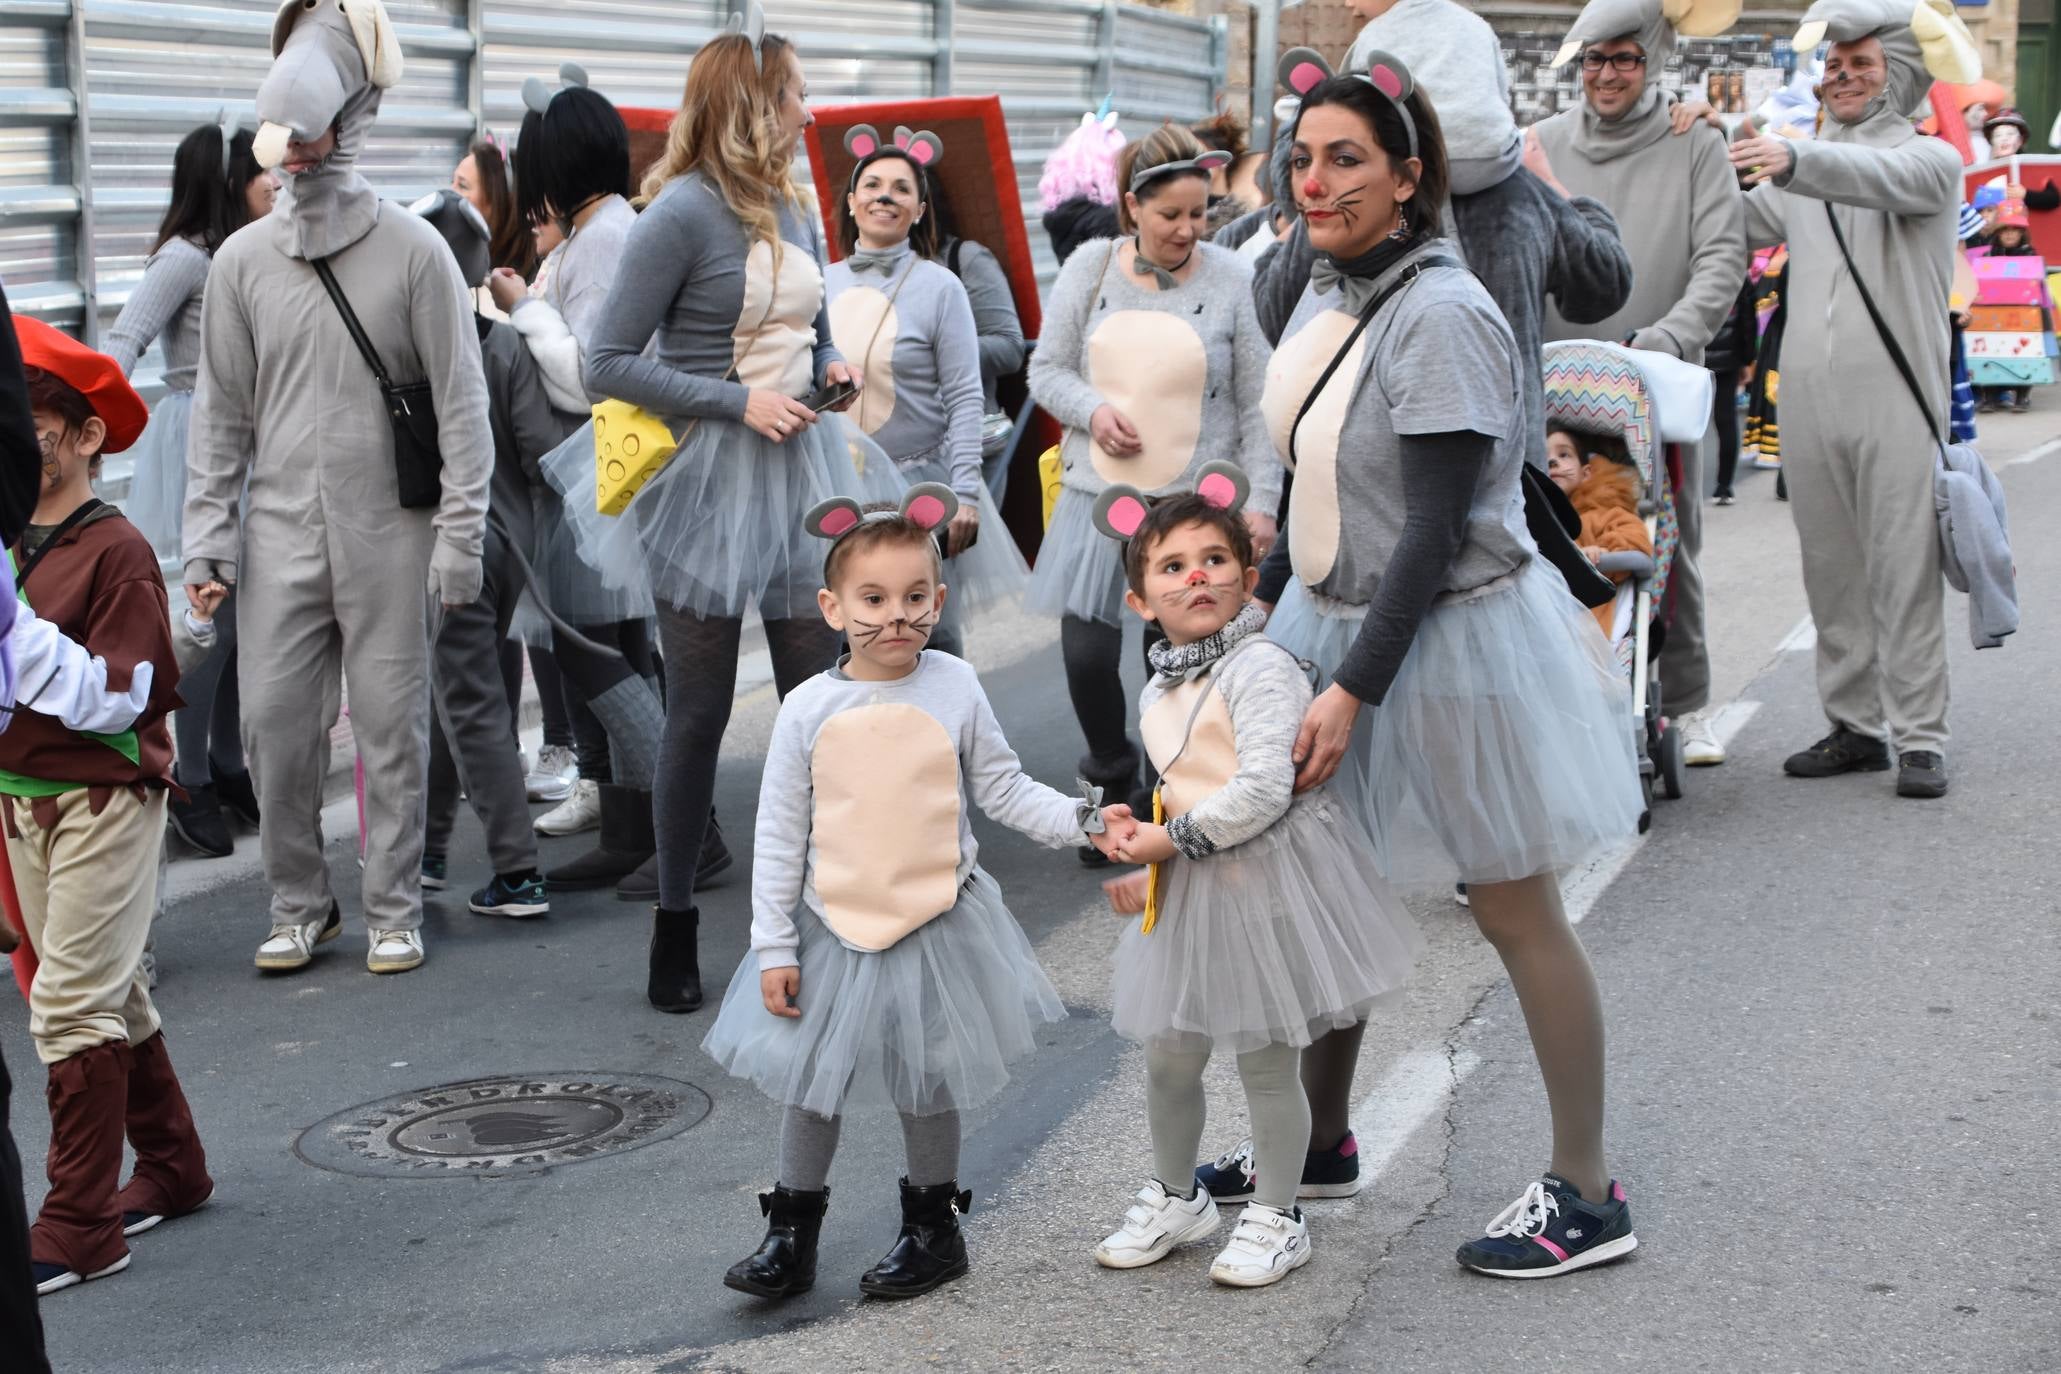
785,1262
674,984
931,1251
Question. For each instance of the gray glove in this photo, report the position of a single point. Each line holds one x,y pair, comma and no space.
454,575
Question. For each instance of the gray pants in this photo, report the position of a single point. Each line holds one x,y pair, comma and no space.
479,753
1175,1108
808,1143
1685,657
1860,490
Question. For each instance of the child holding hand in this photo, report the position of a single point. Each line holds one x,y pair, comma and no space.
1266,922
884,963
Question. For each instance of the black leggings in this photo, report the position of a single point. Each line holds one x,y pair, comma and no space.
1724,414
207,727
551,697
590,741
1093,652
701,683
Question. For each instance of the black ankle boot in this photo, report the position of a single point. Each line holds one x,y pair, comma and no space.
785,1262
626,841
931,1251
675,981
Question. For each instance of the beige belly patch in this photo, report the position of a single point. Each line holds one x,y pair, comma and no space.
1209,762
864,323
886,825
1152,367
782,356
1313,521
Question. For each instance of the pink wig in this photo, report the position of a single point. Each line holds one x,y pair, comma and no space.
1083,165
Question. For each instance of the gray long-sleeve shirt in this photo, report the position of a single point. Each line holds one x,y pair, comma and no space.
165,305
715,300
994,318
560,323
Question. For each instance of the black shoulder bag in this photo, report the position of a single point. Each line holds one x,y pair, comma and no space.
1889,343
410,409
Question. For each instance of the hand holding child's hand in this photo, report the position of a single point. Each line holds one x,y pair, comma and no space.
1147,844
1118,825
206,600
780,988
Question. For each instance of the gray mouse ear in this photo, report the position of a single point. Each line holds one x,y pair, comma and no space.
1390,75
1302,70
833,519
536,94
571,74
751,22
1119,510
929,504
924,148
862,140
1223,485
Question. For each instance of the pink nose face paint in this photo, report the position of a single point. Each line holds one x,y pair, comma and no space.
1312,189
1200,577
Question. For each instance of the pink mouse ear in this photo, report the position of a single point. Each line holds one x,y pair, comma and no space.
1119,510
1303,69
1213,159
925,149
930,504
862,140
1223,485
1390,75
832,519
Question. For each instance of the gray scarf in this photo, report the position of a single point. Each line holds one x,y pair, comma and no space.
1597,139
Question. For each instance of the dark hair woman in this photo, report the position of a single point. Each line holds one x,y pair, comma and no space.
217,188
1474,717
481,176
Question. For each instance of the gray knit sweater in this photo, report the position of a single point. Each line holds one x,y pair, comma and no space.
165,305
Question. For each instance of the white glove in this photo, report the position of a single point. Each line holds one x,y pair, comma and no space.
55,675
454,575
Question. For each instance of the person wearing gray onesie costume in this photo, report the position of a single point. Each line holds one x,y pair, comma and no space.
331,569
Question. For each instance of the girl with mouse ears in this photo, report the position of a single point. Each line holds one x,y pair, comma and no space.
1266,922
1153,359
904,320
884,966
1473,718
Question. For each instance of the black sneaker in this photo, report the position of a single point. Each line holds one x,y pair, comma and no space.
436,872
1921,773
1331,1173
1550,1231
522,896
1229,1178
238,796
1842,751
198,821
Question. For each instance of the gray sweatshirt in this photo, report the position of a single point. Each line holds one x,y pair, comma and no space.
559,324
863,811
911,334
1678,207
716,301
1186,367
994,318
165,305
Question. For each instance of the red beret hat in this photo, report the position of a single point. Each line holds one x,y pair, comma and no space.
95,376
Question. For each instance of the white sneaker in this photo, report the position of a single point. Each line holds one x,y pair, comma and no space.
1156,1224
581,811
291,947
1700,747
394,951
1265,1246
552,779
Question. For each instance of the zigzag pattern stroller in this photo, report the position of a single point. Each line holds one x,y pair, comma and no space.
1654,403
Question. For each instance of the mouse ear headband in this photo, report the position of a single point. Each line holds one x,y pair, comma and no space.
1208,162
1120,509
537,93
922,147
1304,69
927,505
751,22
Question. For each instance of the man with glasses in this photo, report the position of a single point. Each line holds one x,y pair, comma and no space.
1677,204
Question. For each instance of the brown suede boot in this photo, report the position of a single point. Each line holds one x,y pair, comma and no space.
171,1177
78,1236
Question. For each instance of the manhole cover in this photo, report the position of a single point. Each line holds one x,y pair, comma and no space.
489,1126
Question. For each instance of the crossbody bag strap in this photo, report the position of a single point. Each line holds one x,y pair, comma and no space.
1896,353
64,526
350,319
1403,279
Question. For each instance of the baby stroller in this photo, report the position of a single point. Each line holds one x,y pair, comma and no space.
1655,404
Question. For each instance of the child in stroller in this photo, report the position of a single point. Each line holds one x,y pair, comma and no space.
1603,485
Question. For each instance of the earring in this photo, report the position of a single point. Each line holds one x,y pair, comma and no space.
1402,224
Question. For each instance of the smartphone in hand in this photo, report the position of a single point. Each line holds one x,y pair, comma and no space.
831,397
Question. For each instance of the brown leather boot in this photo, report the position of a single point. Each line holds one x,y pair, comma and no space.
171,1177
78,1236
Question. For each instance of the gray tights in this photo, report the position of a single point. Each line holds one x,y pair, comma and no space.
1273,1094
809,1142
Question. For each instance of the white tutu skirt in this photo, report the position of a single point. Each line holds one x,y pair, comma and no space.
926,1026
157,479
720,527
991,573
1271,942
1080,570
1504,747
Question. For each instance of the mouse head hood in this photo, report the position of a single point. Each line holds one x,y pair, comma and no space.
1922,41
333,59
1653,25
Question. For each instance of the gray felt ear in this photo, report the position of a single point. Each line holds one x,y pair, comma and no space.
833,519
862,140
536,94
1119,510
930,504
1223,485
1302,70
1390,76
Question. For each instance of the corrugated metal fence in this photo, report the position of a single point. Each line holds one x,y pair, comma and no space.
95,94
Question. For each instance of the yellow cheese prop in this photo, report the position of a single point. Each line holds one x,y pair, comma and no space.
630,446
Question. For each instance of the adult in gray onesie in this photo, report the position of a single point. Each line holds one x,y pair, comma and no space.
331,567
1858,448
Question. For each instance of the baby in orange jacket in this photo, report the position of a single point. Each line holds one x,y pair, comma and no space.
1600,479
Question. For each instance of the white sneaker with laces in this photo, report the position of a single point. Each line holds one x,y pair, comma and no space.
553,777
291,947
581,811
1265,1247
394,951
1156,1224
1700,747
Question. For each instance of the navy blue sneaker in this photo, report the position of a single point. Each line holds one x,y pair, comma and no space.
522,898
1332,1173
1229,1178
436,872
1550,1231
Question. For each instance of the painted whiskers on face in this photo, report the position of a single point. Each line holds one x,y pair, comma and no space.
866,633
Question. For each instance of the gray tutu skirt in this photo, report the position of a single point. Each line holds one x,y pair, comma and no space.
1504,746
720,527
157,477
926,1026
1271,942
1080,570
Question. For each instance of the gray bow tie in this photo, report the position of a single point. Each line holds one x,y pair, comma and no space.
884,261
1145,267
1355,291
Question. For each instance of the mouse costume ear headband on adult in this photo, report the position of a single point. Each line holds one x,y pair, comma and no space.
923,148
927,505
326,54
1923,42
1304,69
1121,509
1653,24
537,93
1208,162
751,22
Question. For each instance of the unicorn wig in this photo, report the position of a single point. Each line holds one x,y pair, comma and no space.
1084,164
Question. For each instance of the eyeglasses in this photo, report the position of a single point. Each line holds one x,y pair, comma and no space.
1626,62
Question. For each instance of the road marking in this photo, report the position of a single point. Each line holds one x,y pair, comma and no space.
1803,636
2046,450
1414,1090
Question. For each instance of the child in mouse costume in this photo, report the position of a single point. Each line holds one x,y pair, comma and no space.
884,963
1266,923
85,821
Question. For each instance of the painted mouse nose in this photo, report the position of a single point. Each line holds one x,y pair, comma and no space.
1312,188
1200,575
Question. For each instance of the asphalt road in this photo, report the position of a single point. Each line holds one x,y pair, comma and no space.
1833,1095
